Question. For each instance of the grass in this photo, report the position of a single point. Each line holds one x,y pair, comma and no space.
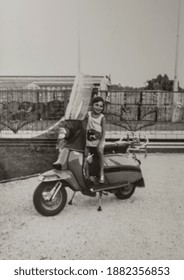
23,161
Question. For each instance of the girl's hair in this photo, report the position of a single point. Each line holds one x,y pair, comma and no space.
97,99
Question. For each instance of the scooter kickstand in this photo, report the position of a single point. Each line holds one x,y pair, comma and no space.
71,200
100,202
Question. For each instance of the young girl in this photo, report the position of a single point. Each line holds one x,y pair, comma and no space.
96,132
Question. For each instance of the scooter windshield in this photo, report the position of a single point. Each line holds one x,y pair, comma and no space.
75,120
80,98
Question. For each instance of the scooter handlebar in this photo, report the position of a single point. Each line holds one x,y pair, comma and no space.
137,146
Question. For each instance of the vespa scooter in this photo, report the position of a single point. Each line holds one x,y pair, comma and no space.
121,168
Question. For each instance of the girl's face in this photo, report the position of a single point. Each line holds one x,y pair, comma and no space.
98,107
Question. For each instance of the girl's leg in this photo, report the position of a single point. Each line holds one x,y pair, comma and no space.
86,164
101,162
58,161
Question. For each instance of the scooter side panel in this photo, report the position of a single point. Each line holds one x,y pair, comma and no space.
121,168
122,176
57,175
75,164
120,160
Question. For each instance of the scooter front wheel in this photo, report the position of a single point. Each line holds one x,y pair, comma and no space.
125,192
46,202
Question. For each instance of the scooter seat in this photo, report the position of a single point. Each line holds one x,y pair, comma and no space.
116,147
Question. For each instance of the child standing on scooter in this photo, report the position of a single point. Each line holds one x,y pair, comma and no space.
96,132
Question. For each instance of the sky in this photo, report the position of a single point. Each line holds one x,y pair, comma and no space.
133,40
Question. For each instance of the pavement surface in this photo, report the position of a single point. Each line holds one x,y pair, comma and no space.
149,225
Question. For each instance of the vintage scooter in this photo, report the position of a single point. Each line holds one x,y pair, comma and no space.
121,168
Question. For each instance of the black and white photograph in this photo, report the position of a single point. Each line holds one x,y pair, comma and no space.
92,130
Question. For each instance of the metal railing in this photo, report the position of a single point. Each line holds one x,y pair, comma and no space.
31,109
126,111
147,112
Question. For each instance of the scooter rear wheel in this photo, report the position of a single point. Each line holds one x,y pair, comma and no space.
43,201
125,192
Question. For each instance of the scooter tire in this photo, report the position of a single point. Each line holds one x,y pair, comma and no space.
125,192
49,208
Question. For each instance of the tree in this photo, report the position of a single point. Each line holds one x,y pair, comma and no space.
160,83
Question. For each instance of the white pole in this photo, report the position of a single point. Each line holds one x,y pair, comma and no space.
79,39
175,85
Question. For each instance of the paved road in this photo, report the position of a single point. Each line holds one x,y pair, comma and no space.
147,226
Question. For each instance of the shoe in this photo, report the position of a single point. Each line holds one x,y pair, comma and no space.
88,192
101,180
57,166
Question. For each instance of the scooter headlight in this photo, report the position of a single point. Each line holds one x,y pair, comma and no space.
62,133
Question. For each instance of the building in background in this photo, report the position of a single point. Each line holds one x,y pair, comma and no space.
41,82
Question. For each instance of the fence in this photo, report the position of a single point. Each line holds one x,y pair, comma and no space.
152,112
158,114
31,110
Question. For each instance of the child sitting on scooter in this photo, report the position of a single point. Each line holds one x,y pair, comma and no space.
96,132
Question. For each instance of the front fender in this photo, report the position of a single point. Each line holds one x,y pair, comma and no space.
58,175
